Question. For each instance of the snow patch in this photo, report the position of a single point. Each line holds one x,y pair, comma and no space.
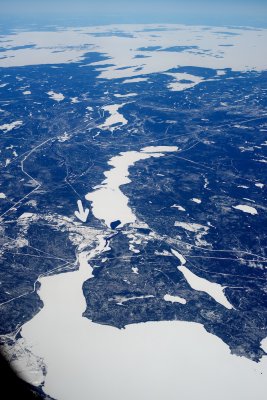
125,95
156,149
246,209
64,137
180,208
192,227
174,299
8,127
195,200
120,300
135,80
198,229
74,100
55,96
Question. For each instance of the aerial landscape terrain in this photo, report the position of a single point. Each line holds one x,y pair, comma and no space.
133,210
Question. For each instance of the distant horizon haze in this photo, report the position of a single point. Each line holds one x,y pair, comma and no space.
70,12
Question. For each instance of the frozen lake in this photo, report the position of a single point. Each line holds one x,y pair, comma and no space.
155,360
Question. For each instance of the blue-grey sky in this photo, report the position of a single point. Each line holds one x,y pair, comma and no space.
222,12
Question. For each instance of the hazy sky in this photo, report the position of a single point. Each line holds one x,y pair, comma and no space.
235,12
